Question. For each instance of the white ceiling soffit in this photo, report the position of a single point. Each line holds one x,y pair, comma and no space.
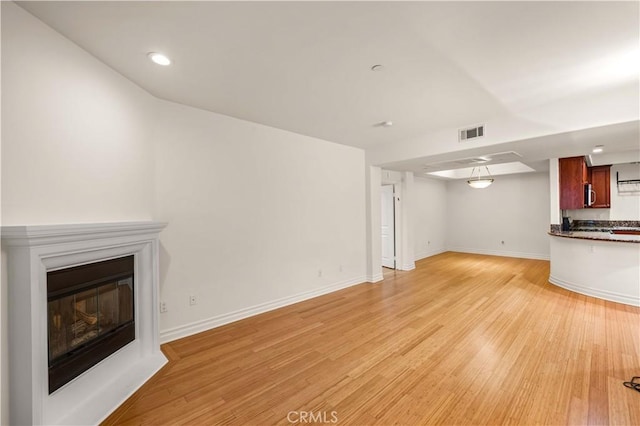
306,66
606,158
621,145
480,160
494,170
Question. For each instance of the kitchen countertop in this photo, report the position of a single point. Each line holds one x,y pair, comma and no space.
598,235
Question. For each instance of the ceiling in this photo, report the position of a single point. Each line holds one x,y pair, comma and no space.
306,66
534,152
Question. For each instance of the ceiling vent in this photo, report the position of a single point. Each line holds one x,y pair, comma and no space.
471,133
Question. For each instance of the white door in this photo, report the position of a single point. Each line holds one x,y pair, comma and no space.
388,227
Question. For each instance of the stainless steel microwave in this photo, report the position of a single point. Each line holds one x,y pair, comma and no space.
589,195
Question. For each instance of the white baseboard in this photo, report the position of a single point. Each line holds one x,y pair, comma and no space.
429,253
375,278
408,266
600,294
505,253
222,319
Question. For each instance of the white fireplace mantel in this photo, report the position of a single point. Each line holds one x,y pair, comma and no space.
89,398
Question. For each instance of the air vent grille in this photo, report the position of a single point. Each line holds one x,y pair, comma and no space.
471,133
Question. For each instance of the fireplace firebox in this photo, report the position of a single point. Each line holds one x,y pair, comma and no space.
90,316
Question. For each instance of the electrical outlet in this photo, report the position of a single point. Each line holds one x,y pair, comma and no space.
340,268
192,300
163,307
319,273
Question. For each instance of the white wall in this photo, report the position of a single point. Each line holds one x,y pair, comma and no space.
625,200
373,221
405,246
76,145
625,204
515,209
429,211
4,378
255,215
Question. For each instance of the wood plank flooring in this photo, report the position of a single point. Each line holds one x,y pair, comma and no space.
463,339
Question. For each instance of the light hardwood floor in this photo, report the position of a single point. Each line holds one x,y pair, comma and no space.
463,339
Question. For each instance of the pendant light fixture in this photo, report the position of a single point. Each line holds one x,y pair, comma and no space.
480,182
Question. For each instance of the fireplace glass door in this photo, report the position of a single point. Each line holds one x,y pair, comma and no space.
77,319
90,316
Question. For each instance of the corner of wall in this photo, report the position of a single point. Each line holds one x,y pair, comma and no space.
373,238
554,192
4,360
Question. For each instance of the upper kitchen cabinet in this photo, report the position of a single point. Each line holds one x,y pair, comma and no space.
600,179
573,176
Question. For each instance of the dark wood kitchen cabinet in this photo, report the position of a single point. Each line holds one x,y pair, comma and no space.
600,179
573,175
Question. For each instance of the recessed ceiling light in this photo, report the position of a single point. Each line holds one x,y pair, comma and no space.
598,149
377,67
159,58
384,124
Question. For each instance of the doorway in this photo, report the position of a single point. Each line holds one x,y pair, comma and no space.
388,233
